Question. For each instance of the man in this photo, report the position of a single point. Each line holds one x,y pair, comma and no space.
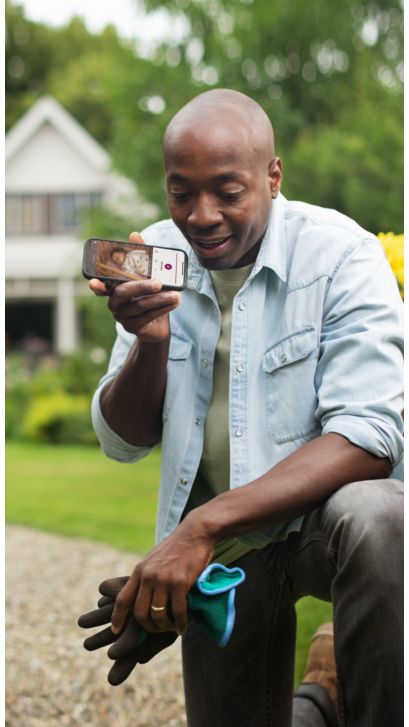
273,383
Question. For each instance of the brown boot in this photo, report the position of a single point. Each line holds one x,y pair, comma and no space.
319,683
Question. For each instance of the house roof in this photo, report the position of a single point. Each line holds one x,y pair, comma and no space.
48,110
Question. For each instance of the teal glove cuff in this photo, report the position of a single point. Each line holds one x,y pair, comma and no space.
211,601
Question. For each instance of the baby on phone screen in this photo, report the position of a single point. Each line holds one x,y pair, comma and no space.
135,262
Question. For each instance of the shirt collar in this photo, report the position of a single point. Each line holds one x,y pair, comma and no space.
272,253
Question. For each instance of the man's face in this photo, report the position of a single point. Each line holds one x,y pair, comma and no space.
219,195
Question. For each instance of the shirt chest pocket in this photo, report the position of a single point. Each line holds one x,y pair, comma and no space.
289,369
179,350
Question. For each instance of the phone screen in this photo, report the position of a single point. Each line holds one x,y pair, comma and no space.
121,261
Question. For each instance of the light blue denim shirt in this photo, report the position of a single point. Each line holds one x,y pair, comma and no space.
316,347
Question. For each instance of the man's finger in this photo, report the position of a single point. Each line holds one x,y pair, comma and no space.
123,603
140,314
160,613
135,237
98,287
145,318
99,640
137,288
98,617
179,611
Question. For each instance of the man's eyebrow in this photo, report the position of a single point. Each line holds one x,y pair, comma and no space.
174,177
228,177
224,177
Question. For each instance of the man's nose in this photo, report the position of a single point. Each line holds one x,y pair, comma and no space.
205,212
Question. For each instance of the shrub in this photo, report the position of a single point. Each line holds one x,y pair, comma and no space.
18,376
29,379
59,418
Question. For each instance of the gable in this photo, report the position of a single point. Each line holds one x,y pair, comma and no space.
46,162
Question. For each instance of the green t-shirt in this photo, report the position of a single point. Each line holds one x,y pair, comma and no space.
213,477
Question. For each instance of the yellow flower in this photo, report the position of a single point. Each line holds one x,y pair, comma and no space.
393,246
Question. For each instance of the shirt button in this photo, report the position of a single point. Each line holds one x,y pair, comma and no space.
283,357
197,421
241,306
182,481
238,432
240,368
204,362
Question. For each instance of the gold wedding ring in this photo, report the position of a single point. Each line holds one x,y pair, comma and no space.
158,608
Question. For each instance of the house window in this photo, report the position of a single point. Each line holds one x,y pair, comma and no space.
26,214
70,208
67,212
47,214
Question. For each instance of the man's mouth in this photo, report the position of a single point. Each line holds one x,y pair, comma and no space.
209,245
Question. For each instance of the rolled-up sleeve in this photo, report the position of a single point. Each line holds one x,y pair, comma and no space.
111,443
359,377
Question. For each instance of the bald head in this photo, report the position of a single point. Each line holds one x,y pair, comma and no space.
221,176
227,117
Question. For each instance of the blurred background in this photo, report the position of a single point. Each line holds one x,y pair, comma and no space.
90,88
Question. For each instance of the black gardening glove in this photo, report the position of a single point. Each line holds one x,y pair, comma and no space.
125,650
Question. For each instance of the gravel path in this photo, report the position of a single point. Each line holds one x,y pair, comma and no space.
50,679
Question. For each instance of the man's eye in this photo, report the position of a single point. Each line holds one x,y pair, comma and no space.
231,196
179,195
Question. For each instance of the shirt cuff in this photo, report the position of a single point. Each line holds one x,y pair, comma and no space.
376,437
111,443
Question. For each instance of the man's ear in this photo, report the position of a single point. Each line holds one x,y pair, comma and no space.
275,176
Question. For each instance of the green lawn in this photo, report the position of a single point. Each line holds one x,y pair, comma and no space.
77,491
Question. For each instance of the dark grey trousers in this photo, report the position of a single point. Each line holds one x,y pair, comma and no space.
350,552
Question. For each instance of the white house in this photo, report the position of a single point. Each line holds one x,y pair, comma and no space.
54,168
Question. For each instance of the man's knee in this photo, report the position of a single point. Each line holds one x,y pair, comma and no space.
365,519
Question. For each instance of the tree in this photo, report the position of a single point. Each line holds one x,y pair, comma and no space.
123,100
328,75
330,78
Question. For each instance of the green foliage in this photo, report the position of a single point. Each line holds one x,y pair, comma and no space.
49,399
59,419
17,383
79,372
337,165
136,144
97,328
329,77
41,59
29,54
101,222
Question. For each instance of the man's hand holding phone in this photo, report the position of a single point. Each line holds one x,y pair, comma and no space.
141,306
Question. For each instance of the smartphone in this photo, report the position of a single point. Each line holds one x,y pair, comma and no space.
116,262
